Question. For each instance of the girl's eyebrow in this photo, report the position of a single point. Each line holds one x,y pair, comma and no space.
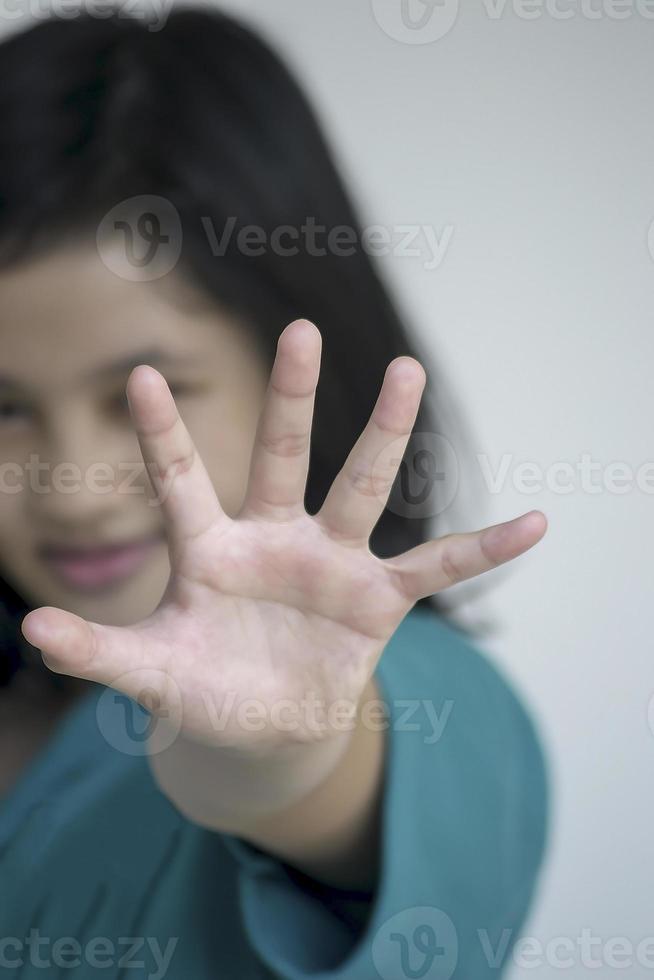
123,365
152,356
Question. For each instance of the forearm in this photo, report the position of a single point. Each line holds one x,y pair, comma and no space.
317,807
332,833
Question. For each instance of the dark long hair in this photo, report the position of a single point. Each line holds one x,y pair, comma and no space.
204,115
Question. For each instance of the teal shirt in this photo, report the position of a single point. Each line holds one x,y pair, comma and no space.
101,877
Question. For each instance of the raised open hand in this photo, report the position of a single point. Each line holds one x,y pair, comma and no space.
275,604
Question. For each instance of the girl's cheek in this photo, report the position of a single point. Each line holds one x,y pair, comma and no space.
14,525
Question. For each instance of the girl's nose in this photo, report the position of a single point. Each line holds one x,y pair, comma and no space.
80,476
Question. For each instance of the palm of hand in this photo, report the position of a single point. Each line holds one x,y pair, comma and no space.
275,606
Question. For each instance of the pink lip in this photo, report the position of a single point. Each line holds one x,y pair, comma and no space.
96,568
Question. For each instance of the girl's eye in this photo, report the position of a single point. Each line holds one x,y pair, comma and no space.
119,405
12,411
179,389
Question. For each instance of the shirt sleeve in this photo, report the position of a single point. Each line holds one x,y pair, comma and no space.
463,829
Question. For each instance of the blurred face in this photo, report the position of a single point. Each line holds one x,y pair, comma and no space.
80,527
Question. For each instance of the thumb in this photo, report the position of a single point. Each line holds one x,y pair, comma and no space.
110,655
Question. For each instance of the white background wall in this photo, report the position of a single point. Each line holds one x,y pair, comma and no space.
534,140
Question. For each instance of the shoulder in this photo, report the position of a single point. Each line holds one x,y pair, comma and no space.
428,656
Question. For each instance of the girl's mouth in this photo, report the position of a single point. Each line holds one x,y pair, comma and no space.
95,568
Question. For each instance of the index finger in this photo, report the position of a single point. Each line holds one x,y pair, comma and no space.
183,487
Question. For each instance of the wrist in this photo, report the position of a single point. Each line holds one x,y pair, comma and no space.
333,832
228,789
315,805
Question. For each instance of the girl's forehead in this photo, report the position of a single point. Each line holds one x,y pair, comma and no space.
65,317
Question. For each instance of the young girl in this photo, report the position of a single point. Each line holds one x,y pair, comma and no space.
258,748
